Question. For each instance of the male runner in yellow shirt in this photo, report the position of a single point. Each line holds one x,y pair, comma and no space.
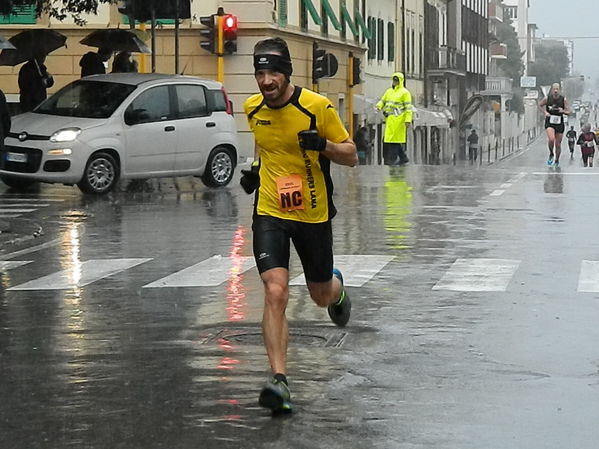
298,133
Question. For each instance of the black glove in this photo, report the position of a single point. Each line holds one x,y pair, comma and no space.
310,140
250,179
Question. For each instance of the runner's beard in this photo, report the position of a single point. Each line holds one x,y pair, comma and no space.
272,95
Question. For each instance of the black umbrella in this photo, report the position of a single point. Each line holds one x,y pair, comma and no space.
116,40
5,44
31,43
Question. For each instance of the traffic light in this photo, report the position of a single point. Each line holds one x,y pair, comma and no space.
317,62
355,71
229,22
323,63
210,33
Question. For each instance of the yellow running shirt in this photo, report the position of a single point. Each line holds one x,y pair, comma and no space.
295,184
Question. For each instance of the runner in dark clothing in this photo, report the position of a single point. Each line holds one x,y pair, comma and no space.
554,106
571,136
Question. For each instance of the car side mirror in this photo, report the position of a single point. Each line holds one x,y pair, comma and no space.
135,116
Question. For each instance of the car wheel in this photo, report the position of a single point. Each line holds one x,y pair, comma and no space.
100,175
219,168
17,183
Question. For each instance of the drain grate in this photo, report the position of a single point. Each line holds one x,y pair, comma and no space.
315,337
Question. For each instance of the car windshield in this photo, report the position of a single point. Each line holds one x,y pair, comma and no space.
89,99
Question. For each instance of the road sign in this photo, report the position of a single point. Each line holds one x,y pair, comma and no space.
528,81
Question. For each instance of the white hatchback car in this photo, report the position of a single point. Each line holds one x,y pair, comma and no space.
103,128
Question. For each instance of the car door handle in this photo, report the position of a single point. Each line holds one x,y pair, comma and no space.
169,128
210,125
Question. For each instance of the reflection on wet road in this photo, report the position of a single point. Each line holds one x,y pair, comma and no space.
134,320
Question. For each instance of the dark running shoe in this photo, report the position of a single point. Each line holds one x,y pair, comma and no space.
276,396
341,310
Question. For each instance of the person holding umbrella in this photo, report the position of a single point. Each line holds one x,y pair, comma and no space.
109,41
32,47
123,63
94,63
34,79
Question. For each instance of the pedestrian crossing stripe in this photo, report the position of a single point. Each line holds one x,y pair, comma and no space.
467,275
18,211
80,275
588,281
478,275
6,265
23,204
208,273
357,270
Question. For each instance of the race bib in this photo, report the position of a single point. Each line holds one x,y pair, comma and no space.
290,190
555,119
589,144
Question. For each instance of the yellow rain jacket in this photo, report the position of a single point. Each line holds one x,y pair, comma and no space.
396,104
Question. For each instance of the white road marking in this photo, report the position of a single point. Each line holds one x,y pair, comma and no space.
4,200
12,211
32,249
518,177
588,281
20,204
478,275
497,192
208,273
9,215
506,185
6,265
356,269
588,173
80,275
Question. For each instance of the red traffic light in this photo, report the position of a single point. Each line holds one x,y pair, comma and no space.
230,23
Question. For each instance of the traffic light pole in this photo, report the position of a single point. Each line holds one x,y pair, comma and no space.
177,37
220,48
350,99
142,56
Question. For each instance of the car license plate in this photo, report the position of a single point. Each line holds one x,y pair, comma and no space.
16,157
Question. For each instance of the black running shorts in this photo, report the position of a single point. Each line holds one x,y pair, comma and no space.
559,129
312,241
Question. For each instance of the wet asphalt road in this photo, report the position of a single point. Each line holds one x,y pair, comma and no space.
479,333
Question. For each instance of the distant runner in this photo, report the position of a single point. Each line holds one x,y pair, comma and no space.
571,136
587,141
554,106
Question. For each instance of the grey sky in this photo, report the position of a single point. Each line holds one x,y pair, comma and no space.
575,18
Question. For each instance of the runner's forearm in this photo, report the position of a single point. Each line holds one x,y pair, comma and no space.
343,153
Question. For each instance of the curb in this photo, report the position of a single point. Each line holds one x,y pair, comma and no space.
519,150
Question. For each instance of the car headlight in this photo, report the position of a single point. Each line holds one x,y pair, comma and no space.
65,135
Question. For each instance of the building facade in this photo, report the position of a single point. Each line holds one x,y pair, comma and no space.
336,26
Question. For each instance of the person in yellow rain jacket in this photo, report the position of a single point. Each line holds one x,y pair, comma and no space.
396,105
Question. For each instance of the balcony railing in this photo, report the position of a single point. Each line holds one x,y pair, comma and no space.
498,84
495,11
448,58
498,50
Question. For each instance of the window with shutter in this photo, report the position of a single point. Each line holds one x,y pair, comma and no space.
381,40
346,19
282,6
391,41
309,7
327,10
372,39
